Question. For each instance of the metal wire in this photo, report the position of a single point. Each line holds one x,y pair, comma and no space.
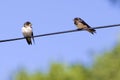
62,32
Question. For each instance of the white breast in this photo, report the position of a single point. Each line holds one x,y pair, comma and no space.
80,25
27,31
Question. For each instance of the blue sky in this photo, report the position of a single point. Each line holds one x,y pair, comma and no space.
52,16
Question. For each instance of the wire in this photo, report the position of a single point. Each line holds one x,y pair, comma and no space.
62,32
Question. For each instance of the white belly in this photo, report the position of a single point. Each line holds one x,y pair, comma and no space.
27,32
81,26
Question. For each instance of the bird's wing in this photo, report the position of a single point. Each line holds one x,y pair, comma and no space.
82,21
32,36
90,30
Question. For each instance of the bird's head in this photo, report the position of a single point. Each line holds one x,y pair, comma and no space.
77,19
27,24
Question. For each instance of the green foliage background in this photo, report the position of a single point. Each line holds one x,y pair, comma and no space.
106,67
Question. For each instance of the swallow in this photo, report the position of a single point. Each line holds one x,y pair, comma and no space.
28,32
81,24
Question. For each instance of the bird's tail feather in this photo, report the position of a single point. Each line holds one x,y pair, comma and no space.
92,31
29,41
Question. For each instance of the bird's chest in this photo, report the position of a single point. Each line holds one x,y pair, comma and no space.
27,31
80,25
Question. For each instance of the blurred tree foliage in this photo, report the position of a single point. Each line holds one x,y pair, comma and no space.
106,67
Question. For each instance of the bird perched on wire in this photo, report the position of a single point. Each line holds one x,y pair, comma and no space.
81,24
28,32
